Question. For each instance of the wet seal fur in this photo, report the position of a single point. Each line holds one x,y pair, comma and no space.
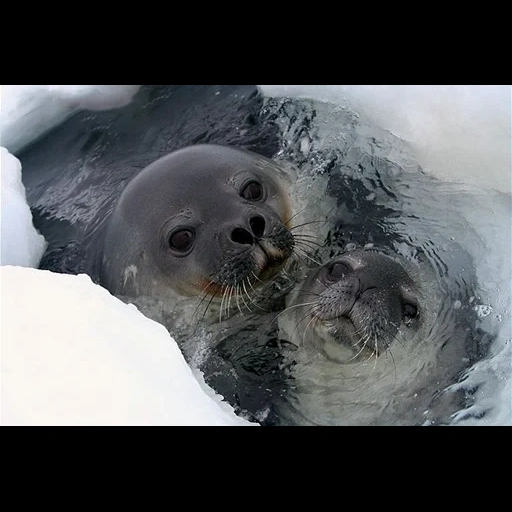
207,222
374,344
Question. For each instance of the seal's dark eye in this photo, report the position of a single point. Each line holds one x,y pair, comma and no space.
410,311
338,270
181,240
253,191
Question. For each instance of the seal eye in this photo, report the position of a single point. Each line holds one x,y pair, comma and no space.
410,311
253,191
181,240
337,270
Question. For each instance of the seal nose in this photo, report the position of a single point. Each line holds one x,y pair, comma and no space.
242,236
257,224
246,237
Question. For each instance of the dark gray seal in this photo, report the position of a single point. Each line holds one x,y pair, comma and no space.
206,222
375,344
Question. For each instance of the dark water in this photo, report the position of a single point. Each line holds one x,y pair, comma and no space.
77,171
380,196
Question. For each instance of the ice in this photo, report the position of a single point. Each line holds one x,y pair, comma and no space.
28,111
21,244
461,132
72,354
94,97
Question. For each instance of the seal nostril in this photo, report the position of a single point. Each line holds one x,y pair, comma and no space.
363,289
257,224
242,236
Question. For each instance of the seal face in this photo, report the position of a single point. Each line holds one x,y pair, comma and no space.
360,301
205,219
375,343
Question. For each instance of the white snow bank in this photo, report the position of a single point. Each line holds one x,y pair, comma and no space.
95,97
72,354
21,244
461,132
28,111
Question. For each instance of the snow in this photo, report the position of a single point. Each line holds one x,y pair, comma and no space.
28,111
21,244
461,132
72,354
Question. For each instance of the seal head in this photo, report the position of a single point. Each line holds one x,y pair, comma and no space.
204,219
362,299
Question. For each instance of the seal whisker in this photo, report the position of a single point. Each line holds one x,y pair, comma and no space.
365,336
306,246
307,224
201,298
294,215
307,256
286,310
388,351
208,306
308,313
237,294
390,333
307,239
298,256
367,339
212,296
231,291
310,245
224,289
362,363
256,277
371,349
365,326
361,330
394,335
376,356
203,295
313,318
242,296
251,300
256,293
306,235
365,361
227,306
374,365
228,290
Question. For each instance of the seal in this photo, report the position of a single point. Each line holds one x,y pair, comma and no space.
375,344
206,222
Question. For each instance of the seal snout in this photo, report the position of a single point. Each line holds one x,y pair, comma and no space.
255,232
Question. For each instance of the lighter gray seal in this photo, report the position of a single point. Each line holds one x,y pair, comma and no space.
375,344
